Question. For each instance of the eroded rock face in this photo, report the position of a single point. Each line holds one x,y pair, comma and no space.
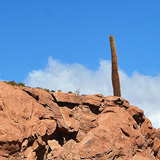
39,125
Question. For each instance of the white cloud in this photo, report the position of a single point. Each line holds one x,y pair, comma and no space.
140,90
70,77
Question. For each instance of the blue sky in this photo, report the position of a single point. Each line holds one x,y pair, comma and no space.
64,44
77,31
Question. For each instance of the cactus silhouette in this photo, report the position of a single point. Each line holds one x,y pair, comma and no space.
115,74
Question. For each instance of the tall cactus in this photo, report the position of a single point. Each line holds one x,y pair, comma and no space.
115,74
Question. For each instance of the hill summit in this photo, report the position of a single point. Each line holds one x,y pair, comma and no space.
37,125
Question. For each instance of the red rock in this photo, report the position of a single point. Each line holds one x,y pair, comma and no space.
36,124
158,133
137,114
156,145
116,101
55,148
29,154
148,131
71,124
94,100
68,147
158,154
67,98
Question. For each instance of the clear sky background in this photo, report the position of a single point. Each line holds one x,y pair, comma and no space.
64,44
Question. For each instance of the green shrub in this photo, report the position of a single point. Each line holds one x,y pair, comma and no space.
70,92
20,84
13,83
47,90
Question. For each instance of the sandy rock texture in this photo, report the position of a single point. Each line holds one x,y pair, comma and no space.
37,125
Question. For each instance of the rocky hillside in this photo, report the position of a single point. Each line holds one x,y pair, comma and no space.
37,125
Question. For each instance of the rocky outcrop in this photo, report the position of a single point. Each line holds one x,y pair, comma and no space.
37,125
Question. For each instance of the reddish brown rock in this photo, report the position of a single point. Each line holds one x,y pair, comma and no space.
94,100
137,114
55,149
36,124
148,131
158,133
71,123
67,98
21,117
156,145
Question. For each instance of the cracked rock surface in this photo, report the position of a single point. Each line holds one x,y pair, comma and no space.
37,125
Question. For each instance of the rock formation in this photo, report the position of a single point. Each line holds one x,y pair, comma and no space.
37,125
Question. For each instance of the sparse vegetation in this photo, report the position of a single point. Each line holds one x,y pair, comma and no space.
77,92
47,90
21,84
70,92
13,83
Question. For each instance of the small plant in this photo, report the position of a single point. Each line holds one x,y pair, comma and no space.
21,84
38,87
13,83
77,91
70,92
47,90
59,90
